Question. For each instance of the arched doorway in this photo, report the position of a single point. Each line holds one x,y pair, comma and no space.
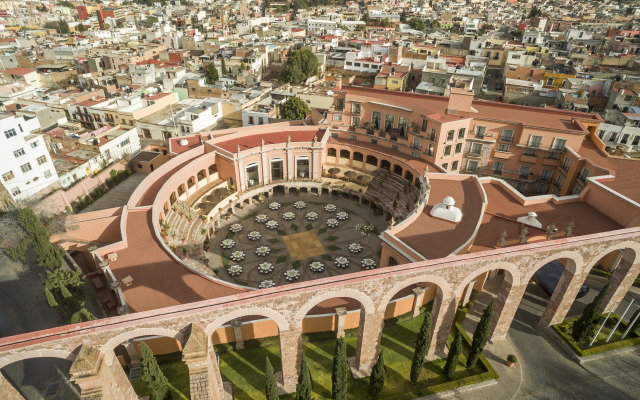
397,169
41,377
384,164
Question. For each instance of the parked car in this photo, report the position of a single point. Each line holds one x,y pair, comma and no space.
549,275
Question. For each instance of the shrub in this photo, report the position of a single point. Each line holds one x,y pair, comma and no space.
82,315
452,357
376,381
512,358
271,387
480,336
152,374
585,327
422,345
339,371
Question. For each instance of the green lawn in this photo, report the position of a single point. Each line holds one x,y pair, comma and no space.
176,372
245,368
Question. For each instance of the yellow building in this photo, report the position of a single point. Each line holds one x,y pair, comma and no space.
555,80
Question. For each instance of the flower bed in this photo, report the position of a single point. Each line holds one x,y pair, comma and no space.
261,218
330,208
599,346
299,205
355,248
235,228
274,205
288,216
342,215
311,216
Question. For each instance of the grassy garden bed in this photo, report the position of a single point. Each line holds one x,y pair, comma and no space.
177,374
245,368
598,270
564,329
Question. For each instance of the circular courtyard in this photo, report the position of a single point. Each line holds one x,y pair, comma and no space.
293,238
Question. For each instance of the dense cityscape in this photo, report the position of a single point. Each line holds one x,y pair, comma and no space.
313,199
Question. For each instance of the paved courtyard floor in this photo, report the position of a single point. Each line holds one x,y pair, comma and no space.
296,242
118,196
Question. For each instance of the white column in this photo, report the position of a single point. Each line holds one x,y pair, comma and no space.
341,313
242,185
616,260
237,332
418,295
266,173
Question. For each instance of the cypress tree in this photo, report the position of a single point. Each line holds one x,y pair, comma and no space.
376,381
422,345
271,387
339,372
303,389
452,357
65,292
585,327
480,336
223,66
50,299
152,374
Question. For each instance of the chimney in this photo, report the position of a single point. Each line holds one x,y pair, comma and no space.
459,100
338,84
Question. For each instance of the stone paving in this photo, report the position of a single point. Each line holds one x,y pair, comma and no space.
118,196
298,242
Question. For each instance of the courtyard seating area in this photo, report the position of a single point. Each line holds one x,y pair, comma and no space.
292,238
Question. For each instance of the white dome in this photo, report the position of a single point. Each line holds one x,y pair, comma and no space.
449,201
183,142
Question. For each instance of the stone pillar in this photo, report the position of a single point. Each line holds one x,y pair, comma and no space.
97,380
504,309
621,281
132,352
443,313
369,334
197,182
291,356
616,260
8,391
467,292
237,332
562,298
341,314
418,295
206,174
205,381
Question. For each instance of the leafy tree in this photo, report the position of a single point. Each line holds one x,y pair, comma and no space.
66,294
65,3
82,315
535,12
301,65
422,345
435,23
452,357
366,18
211,73
63,27
376,381
417,24
152,374
271,387
152,20
403,17
480,336
243,66
386,22
585,327
81,28
339,372
294,109
517,34
303,389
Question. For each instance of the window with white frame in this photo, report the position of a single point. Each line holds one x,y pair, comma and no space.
302,167
47,174
584,174
25,167
7,176
506,135
41,160
472,165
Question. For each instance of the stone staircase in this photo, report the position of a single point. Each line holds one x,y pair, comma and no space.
187,227
391,189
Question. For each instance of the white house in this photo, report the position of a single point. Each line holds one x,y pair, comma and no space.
25,163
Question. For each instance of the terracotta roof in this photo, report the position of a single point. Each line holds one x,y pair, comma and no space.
18,71
252,141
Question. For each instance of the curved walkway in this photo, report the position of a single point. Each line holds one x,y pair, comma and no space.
158,280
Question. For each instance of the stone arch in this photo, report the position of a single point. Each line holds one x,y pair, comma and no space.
279,319
385,164
345,154
331,152
357,156
511,268
392,261
408,176
632,249
108,349
11,358
397,169
441,283
576,264
372,160
366,302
